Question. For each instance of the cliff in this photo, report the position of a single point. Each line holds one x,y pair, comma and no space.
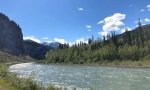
11,37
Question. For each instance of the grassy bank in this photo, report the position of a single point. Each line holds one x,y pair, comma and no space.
127,63
9,81
116,63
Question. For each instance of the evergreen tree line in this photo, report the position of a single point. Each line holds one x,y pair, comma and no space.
131,45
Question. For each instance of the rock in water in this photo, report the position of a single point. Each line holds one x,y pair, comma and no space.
11,37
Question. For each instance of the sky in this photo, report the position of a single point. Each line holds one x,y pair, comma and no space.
70,21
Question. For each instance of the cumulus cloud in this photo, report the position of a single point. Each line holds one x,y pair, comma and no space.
63,41
32,38
80,9
81,40
103,33
112,23
115,17
126,28
148,7
60,40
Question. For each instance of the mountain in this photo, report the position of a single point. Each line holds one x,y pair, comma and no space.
35,50
11,37
52,44
123,49
145,32
11,41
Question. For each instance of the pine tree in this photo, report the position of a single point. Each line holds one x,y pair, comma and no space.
140,34
127,37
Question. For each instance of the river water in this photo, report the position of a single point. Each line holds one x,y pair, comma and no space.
84,77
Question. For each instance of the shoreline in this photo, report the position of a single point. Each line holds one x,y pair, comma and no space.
10,81
35,84
119,64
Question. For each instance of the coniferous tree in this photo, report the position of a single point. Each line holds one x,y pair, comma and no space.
140,34
89,41
127,37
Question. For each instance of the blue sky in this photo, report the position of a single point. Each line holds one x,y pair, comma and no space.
74,20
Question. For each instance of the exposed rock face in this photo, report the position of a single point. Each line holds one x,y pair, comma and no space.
11,37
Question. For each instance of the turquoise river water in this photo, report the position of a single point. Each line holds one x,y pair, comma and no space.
84,77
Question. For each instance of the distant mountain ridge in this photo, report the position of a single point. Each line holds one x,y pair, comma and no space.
145,29
52,44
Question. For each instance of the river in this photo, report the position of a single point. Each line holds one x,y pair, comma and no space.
84,77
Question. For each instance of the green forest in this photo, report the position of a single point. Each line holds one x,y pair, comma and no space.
129,46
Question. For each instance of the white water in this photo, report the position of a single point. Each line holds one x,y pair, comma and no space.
84,77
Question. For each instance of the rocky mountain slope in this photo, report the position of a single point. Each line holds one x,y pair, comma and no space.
11,41
11,37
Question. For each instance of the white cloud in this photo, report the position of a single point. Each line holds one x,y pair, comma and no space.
81,40
31,38
103,33
100,22
48,41
142,10
63,41
45,38
114,22
115,17
88,26
60,40
113,26
147,20
126,28
80,9
148,7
